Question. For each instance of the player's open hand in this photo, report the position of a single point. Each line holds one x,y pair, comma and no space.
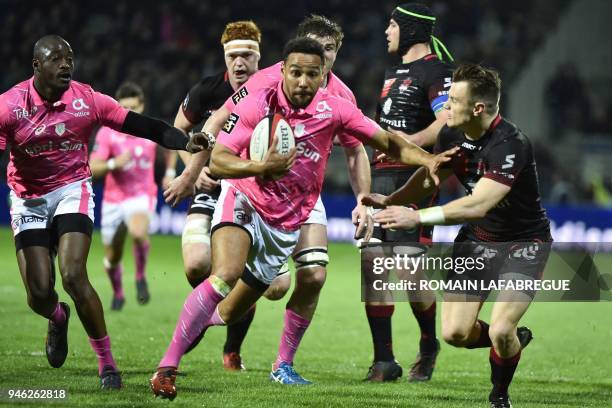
375,200
205,181
201,141
275,164
179,188
436,161
397,217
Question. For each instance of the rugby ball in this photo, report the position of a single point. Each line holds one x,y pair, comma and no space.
269,128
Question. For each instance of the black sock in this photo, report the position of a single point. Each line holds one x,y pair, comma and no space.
483,340
502,371
427,324
237,332
379,318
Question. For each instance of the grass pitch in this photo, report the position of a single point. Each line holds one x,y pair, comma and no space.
569,363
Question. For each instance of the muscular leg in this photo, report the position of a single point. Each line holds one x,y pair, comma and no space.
310,277
196,248
460,327
230,248
506,351
72,256
36,272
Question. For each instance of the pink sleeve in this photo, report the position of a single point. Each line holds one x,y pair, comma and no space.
4,123
102,149
236,133
355,124
108,111
346,139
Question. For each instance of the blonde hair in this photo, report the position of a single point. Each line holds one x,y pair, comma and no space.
241,30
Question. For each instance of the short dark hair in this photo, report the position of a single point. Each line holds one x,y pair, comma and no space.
303,45
484,83
321,26
129,90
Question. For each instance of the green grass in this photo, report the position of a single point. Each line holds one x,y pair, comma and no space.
569,364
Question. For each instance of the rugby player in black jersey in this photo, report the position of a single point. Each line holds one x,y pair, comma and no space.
411,104
496,166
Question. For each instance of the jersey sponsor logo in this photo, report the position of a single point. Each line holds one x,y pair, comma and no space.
78,104
469,146
447,82
299,130
302,150
394,123
231,123
65,146
323,107
241,93
39,130
402,71
387,87
386,108
405,85
509,161
241,217
22,113
528,253
26,219
60,128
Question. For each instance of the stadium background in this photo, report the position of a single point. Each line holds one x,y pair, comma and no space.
554,62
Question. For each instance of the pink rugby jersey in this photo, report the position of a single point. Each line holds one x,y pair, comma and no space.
137,177
286,203
271,76
49,140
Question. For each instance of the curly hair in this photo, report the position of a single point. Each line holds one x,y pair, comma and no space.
241,30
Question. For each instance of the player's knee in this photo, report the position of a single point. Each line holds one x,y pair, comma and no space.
456,335
228,274
140,237
310,264
312,278
74,280
197,266
38,297
279,287
502,334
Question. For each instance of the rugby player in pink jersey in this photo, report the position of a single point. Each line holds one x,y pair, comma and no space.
130,195
310,254
257,220
47,121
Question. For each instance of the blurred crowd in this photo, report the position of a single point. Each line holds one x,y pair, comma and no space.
166,46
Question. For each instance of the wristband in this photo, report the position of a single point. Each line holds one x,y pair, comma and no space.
170,172
432,216
111,164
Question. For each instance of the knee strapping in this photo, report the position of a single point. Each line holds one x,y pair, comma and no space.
311,257
196,232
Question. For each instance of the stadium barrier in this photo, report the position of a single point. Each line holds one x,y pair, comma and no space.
569,224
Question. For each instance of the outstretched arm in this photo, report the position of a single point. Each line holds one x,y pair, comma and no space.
487,194
161,133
